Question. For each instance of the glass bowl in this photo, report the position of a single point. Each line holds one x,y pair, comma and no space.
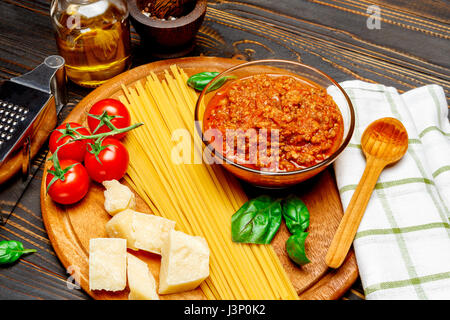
271,179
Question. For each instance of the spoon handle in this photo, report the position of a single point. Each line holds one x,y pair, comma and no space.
346,231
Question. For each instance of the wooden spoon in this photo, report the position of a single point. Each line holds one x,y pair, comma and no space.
384,142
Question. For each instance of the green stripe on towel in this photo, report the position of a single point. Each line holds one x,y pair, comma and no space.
433,128
358,145
388,184
408,282
441,170
375,232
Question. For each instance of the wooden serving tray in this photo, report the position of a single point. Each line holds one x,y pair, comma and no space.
70,227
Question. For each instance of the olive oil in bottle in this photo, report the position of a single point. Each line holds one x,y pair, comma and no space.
93,36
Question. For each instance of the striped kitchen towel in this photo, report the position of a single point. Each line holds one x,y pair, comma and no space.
403,243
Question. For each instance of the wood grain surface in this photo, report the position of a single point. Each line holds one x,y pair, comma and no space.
71,227
411,49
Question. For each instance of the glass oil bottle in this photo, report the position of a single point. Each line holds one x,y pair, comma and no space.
93,36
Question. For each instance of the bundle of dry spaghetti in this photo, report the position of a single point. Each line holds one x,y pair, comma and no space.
201,198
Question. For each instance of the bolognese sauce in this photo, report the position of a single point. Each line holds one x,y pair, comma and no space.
296,122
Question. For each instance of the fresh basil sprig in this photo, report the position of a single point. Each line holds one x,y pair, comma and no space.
296,214
12,250
200,80
257,221
295,248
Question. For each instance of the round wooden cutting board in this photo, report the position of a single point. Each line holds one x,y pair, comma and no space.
70,227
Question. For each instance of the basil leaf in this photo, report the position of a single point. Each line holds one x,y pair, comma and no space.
295,247
295,214
257,221
219,82
12,250
200,80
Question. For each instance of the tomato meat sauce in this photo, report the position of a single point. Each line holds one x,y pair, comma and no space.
274,122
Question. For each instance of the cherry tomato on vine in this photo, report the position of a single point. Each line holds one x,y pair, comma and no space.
106,161
67,132
72,183
112,110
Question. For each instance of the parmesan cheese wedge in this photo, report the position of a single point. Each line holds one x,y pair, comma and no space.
150,231
184,263
107,264
140,280
120,226
143,231
118,197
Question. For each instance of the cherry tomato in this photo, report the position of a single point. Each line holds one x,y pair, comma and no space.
74,150
75,184
114,160
117,113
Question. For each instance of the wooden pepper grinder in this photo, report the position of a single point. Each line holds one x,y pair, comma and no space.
163,9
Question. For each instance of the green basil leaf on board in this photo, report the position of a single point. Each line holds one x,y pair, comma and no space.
257,221
295,247
200,80
295,214
12,250
219,82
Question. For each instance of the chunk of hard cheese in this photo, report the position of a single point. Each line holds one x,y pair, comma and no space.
118,197
184,263
120,226
142,231
140,280
107,264
150,231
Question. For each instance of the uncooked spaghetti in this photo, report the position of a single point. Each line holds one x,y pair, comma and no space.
200,197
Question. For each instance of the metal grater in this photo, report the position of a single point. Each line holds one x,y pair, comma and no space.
25,100
29,105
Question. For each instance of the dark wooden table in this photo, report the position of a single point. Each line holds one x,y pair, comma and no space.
410,49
